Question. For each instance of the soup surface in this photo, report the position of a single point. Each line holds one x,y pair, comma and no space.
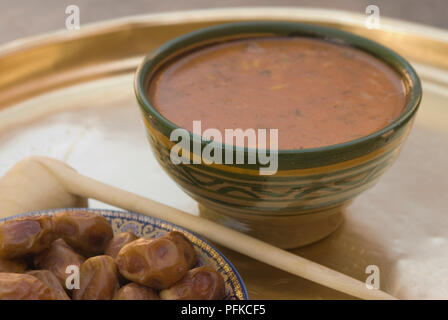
316,93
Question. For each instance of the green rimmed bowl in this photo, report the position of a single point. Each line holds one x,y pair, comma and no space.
304,200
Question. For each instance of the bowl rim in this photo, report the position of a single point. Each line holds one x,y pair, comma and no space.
404,69
140,217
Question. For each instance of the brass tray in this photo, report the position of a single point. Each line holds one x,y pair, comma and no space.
69,95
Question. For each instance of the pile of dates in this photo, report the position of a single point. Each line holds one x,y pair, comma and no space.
75,255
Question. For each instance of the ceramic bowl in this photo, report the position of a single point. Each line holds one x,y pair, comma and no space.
303,202
149,227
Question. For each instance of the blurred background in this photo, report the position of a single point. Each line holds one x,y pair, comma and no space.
22,18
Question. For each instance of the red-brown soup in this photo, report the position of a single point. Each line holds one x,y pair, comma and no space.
316,93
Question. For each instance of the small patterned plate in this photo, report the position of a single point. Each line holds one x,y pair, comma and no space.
149,227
